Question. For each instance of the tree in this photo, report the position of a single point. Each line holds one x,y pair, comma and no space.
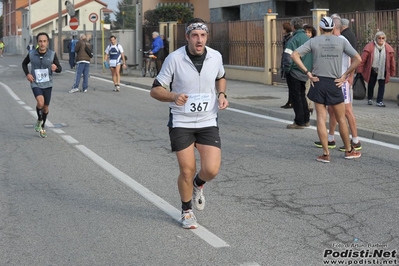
107,19
175,12
126,17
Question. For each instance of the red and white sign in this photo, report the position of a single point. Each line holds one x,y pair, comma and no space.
73,23
93,17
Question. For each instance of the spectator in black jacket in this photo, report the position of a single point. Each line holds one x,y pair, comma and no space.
287,34
348,33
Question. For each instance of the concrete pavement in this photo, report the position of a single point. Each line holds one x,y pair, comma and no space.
378,123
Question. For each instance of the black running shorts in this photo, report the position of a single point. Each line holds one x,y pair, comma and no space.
181,138
46,93
326,92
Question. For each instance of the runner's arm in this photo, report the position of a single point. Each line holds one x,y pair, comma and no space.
57,63
161,94
25,65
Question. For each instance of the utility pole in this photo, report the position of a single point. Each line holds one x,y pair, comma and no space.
139,34
30,22
59,29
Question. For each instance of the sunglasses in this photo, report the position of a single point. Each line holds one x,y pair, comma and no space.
381,38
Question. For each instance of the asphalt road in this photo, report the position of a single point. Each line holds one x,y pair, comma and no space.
101,188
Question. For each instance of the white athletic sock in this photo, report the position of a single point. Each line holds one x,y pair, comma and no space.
355,140
331,138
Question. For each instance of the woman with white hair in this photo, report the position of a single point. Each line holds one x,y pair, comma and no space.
378,64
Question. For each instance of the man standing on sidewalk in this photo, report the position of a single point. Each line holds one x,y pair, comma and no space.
348,99
327,79
72,54
82,64
296,79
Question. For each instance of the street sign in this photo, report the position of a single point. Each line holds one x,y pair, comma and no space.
73,23
93,17
74,32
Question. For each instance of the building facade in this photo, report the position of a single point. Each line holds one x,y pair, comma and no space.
233,10
24,19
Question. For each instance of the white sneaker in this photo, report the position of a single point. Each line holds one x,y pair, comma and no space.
188,220
85,90
43,133
198,197
38,125
74,90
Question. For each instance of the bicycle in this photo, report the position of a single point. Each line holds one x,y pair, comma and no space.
149,60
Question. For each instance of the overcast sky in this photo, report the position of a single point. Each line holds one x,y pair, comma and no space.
112,4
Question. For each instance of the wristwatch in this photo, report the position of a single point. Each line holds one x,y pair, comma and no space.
225,95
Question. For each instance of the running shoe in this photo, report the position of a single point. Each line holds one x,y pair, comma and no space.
323,158
43,133
353,154
38,125
188,220
380,104
369,102
331,144
74,90
85,90
356,146
117,88
198,197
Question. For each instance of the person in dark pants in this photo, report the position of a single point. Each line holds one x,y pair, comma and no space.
287,31
378,66
72,54
165,46
347,33
43,63
296,79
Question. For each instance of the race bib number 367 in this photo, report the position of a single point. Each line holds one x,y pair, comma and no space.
197,103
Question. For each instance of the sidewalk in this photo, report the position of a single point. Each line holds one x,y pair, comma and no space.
378,123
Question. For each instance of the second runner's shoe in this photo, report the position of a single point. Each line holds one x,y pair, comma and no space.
188,220
43,133
38,125
198,197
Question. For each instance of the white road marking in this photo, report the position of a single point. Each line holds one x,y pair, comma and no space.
69,139
58,131
376,142
201,231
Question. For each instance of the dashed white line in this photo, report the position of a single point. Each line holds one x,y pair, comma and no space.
201,231
69,139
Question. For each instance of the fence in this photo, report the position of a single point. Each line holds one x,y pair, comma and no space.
241,43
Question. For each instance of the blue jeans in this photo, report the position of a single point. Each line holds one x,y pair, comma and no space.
371,84
72,59
82,68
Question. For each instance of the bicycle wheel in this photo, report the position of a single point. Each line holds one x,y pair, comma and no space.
143,72
153,72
